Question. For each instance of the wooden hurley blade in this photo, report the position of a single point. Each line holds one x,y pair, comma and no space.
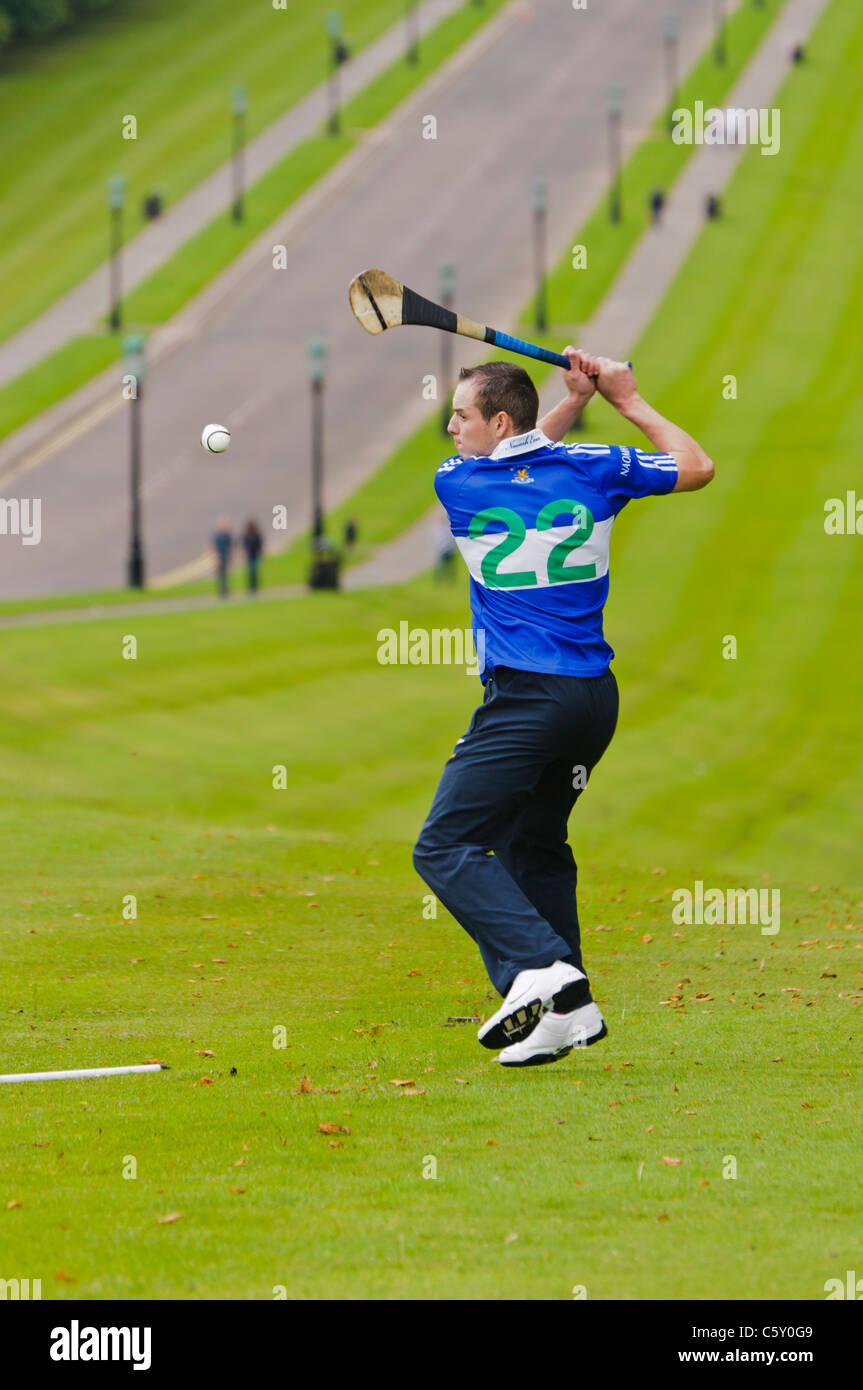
379,301
376,300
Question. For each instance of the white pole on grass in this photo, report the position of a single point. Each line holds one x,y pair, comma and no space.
81,1075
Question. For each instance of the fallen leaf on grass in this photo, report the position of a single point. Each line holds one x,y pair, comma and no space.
240,1162
402,1083
13,1203
491,1143
63,1278
508,1240
337,1143
304,1087
206,1053
671,1162
333,1129
237,1191
169,1219
206,1081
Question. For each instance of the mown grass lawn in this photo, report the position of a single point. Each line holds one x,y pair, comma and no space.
260,910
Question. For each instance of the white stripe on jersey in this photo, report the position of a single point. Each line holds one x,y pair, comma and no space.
533,552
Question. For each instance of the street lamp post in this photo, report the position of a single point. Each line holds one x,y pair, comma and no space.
540,207
116,199
134,347
720,52
317,361
669,34
412,31
447,297
334,32
239,108
614,102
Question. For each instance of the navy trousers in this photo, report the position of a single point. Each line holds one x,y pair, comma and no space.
494,847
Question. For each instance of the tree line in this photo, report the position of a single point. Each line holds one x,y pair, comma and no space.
39,19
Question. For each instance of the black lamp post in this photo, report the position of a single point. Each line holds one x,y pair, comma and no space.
116,200
447,296
337,50
412,31
317,360
540,208
239,108
134,347
669,34
720,51
614,103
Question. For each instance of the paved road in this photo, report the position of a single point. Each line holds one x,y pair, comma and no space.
528,101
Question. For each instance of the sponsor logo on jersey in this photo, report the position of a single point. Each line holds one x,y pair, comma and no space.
522,475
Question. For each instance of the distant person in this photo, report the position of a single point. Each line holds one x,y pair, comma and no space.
222,541
351,533
657,203
713,207
253,545
798,53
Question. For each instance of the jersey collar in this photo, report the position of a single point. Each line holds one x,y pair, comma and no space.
521,444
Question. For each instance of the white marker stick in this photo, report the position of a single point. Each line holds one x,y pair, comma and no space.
81,1075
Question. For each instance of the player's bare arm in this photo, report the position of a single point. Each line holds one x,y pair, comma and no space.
580,386
616,382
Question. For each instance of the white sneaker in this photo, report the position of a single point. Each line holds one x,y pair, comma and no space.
556,1035
530,995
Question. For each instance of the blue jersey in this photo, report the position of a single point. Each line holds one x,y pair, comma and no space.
533,522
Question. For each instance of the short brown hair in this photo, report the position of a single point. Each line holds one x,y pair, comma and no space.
503,386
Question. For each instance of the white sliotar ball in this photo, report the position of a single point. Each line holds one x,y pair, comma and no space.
215,438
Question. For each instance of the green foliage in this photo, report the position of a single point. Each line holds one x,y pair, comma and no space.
37,19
